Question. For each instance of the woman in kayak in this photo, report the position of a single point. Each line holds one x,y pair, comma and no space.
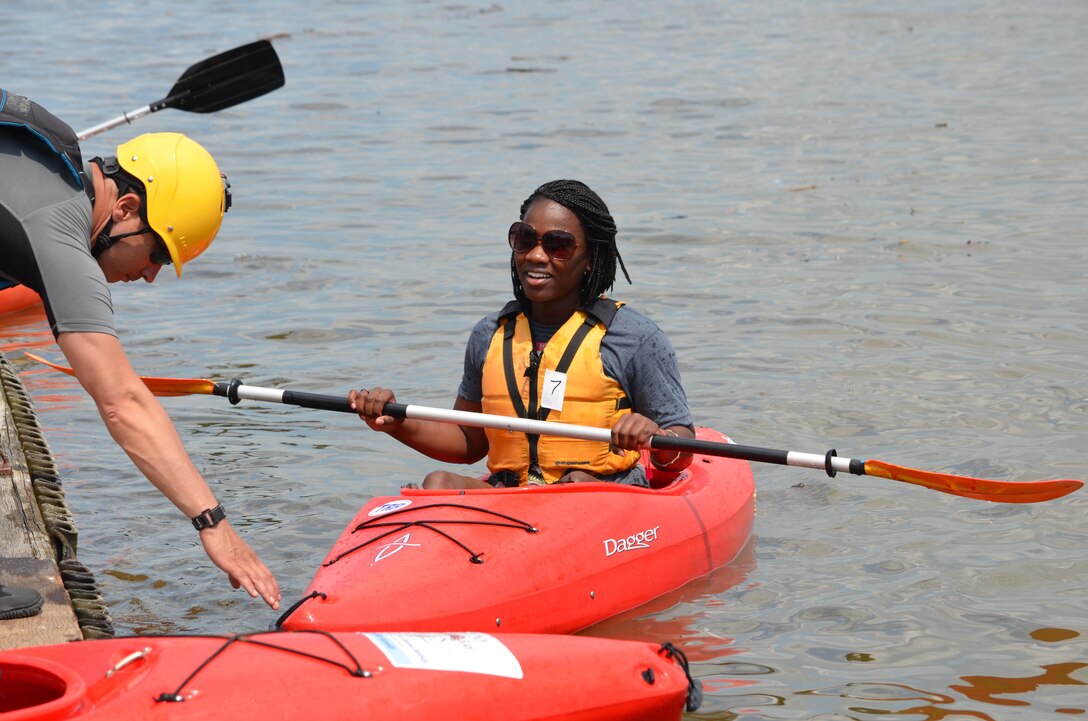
561,351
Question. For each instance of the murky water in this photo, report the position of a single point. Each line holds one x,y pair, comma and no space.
861,223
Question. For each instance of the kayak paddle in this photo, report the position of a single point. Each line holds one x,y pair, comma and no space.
965,486
218,82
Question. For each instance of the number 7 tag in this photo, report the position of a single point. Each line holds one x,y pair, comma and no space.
555,387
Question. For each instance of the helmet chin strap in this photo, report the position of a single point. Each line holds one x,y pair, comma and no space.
103,240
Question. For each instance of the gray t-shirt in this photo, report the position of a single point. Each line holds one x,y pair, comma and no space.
45,229
634,351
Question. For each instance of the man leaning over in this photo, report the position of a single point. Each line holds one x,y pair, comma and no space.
66,231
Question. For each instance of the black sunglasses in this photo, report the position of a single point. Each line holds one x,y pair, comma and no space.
558,244
159,256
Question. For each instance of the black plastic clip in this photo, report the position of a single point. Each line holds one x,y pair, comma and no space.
232,391
827,463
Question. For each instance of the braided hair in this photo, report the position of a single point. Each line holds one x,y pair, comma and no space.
600,230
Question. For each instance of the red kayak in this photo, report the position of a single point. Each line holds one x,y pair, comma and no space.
350,676
541,559
17,297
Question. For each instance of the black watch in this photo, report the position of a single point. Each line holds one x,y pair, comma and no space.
209,518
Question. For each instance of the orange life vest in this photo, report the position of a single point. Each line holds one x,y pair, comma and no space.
518,382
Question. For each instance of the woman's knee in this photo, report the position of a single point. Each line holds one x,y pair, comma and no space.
441,479
579,477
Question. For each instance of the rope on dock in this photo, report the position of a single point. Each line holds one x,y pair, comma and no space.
90,608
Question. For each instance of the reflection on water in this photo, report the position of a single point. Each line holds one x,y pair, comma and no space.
730,699
24,330
861,225
982,689
685,616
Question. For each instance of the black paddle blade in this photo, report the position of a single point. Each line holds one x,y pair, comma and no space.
226,79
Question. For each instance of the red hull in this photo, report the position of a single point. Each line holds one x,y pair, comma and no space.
344,676
16,298
550,559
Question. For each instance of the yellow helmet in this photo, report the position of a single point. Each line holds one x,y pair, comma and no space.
185,194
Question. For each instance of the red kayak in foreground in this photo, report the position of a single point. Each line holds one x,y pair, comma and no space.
542,559
351,676
17,297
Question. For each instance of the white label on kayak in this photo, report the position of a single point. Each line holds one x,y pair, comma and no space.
464,652
389,507
642,539
555,387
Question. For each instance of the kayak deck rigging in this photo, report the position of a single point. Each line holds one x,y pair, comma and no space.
432,525
355,669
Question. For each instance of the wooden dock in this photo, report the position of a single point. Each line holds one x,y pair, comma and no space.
31,551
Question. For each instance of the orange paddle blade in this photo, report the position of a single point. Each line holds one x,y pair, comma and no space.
978,488
179,386
158,386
